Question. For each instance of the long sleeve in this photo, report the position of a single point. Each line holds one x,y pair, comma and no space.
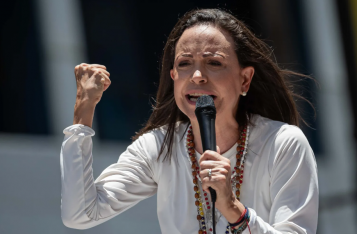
293,187
87,203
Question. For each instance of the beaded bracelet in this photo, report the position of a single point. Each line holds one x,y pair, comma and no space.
241,218
244,225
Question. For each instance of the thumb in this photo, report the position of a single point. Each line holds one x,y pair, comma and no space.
218,150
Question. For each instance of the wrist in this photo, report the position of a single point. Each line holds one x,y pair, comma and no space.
233,211
84,112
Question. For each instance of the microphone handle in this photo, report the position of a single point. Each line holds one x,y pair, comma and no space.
208,136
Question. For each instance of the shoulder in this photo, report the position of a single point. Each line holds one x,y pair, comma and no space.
275,130
276,137
281,142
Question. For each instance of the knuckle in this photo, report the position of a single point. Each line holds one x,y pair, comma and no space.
204,180
224,172
227,166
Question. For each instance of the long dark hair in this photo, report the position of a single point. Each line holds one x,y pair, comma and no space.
270,95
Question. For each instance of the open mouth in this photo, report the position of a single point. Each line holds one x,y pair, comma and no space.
194,96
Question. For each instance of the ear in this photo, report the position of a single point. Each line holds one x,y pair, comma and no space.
172,74
247,74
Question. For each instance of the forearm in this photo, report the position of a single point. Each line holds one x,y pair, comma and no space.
78,189
84,112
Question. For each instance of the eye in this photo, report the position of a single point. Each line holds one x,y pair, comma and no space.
184,63
214,63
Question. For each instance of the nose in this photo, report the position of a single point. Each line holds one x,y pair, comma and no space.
198,78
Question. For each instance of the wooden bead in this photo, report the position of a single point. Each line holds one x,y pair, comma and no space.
195,188
197,203
237,193
200,232
237,170
194,173
193,166
198,217
195,181
237,185
197,195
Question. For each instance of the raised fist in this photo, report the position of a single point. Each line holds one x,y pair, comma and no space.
92,80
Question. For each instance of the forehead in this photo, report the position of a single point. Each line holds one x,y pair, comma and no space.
205,38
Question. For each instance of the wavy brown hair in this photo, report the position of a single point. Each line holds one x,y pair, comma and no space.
270,94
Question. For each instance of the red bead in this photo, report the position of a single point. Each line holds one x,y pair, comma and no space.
206,198
207,203
241,176
240,181
205,194
208,207
204,232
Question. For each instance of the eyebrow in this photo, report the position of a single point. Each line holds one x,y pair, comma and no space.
209,54
205,55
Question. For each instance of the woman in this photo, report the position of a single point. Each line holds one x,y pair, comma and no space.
264,172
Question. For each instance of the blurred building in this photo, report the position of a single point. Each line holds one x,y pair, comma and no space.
41,41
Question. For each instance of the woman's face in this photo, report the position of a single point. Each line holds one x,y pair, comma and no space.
206,63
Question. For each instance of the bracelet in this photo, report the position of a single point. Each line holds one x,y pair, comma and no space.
240,220
244,226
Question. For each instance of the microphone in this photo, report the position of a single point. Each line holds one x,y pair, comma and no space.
206,116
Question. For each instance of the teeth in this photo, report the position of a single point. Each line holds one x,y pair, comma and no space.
197,94
193,99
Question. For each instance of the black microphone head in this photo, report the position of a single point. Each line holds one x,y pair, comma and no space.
205,101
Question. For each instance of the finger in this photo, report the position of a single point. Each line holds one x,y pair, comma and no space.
210,155
106,81
218,150
104,71
213,182
205,173
209,164
76,68
102,79
99,66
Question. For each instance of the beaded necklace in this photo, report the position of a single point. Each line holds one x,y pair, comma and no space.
236,179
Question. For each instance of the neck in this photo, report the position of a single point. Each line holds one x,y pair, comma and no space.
226,134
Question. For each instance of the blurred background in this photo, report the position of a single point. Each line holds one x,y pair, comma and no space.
41,41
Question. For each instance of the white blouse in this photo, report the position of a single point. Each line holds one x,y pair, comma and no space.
280,181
